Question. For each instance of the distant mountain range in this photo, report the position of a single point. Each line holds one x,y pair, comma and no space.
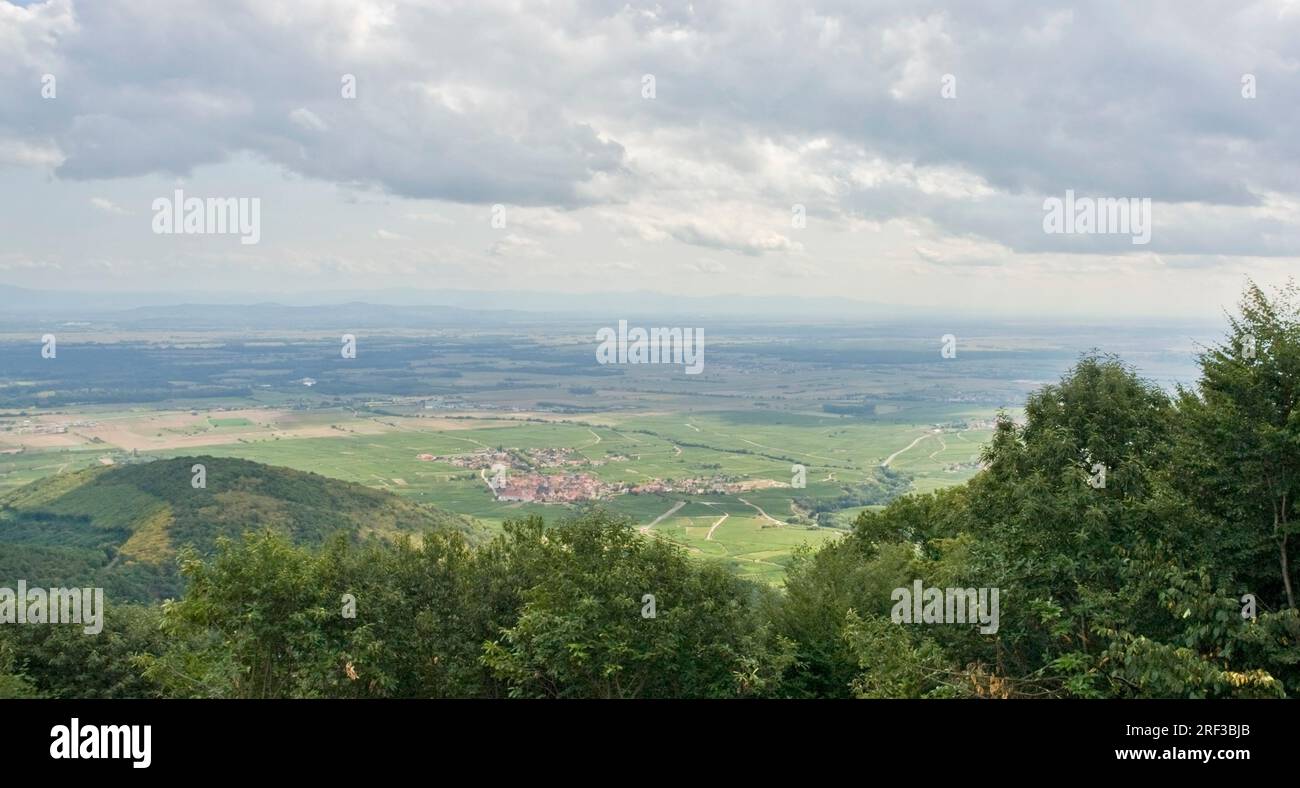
26,310
515,306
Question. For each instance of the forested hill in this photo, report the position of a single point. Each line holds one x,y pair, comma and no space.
124,525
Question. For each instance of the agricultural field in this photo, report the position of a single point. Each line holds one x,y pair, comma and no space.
752,531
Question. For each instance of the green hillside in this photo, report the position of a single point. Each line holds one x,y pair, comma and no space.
121,527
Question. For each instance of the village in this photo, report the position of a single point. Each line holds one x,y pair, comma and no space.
515,477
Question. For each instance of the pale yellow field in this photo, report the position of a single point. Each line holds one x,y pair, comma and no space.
184,429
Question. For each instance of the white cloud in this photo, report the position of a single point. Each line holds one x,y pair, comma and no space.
704,265
308,120
512,245
29,153
538,107
545,220
107,206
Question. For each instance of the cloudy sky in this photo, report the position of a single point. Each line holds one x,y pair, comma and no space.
921,140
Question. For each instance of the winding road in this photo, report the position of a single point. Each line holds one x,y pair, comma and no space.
891,457
709,536
646,528
760,511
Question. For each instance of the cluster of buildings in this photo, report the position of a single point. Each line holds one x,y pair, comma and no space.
521,459
483,458
713,485
515,477
28,428
560,488
557,458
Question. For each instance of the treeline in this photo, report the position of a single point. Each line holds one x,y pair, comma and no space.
64,397
1140,541
559,611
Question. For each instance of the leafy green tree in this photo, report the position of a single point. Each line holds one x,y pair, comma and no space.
1239,446
1105,419
586,629
893,663
62,661
821,589
1106,588
422,617
251,624
13,683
